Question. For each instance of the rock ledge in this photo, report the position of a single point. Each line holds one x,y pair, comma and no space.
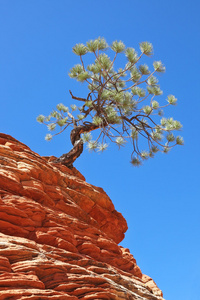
59,235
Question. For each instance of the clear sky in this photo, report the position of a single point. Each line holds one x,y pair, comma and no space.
159,200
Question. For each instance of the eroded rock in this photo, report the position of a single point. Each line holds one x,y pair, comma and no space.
59,235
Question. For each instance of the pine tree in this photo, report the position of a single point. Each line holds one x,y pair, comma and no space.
121,103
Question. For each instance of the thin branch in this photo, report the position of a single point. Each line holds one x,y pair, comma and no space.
77,98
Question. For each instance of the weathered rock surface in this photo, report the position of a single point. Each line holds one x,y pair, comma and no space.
59,235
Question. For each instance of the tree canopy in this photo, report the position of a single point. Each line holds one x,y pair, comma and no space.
124,104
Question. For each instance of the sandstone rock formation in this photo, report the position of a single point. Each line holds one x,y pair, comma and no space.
59,235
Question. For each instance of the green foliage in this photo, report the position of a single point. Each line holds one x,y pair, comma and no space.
103,61
120,103
83,76
152,81
118,47
134,133
48,137
147,109
171,100
51,126
80,49
172,124
102,147
154,149
155,104
62,107
120,141
89,103
138,91
98,44
73,107
80,117
92,145
62,122
170,137
156,136
131,55
179,140
135,74
159,67
144,155
86,137
40,118
144,69
136,162
97,120
76,70
146,48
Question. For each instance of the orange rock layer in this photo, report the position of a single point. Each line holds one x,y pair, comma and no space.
59,235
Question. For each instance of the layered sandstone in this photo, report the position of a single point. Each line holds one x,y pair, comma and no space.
59,235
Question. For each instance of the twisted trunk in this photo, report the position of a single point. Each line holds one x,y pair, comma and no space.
69,158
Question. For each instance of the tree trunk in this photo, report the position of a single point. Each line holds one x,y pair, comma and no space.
69,158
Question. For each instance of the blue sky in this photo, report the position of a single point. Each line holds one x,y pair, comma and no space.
159,200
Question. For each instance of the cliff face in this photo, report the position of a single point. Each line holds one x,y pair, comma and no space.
59,235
